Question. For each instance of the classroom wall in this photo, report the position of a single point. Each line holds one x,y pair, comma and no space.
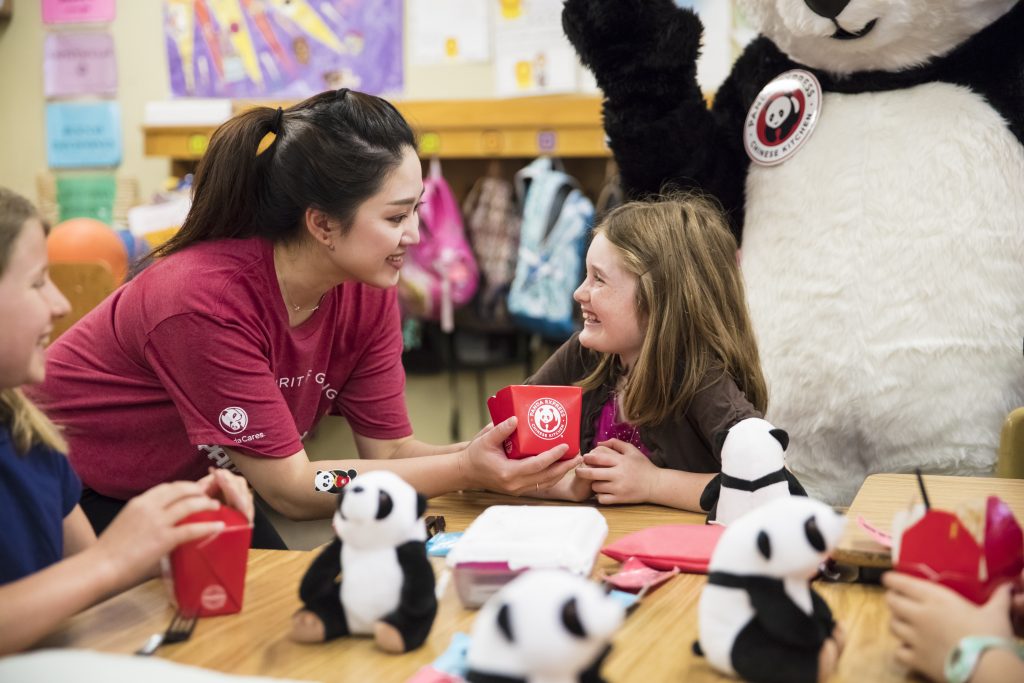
142,70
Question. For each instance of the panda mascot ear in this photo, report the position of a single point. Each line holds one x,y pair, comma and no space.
351,474
719,440
781,436
764,545
503,623
421,504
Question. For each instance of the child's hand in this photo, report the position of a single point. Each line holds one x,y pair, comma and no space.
930,619
619,473
230,489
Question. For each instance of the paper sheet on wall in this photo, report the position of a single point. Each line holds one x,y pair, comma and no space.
83,135
79,64
283,48
532,54
77,11
449,31
88,196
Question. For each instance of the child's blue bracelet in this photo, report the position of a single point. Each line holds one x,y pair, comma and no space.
963,659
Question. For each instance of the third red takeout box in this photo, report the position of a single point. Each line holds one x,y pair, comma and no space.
939,547
208,575
548,416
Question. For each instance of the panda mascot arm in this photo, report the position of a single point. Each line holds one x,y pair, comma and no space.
643,54
418,604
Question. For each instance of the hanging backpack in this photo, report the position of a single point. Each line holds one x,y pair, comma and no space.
441,273
557,217
492,221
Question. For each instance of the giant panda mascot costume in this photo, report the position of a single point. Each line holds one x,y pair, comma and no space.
882,240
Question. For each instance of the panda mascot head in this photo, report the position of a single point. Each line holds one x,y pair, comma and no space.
380,509
845,36
758,595
546,625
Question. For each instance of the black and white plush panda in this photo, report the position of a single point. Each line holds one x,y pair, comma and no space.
386,584
882,242
546,626
754,471
759,618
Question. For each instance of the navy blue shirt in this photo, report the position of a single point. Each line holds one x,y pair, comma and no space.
37,491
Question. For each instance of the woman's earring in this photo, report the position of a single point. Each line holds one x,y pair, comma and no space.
330,246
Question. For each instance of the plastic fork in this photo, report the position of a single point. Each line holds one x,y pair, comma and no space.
179,630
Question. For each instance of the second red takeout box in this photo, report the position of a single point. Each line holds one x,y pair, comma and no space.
207,575
548,416
938,547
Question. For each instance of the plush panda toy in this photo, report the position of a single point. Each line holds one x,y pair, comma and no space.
759,618
882,234
545,626
387,583
754,471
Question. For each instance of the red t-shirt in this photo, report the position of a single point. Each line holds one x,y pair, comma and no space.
196,353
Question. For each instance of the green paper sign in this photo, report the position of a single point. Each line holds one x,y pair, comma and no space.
90,196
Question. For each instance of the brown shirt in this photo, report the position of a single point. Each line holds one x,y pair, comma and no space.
683,443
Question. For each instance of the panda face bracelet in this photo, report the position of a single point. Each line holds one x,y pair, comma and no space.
332,481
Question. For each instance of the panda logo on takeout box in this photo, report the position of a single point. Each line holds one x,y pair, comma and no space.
548,416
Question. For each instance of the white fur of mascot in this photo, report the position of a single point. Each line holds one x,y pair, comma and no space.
884,257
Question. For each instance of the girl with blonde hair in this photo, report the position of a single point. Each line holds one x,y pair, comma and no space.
51,563
666,358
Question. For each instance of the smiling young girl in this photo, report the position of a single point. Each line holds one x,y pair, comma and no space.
274,305
666,357
51,563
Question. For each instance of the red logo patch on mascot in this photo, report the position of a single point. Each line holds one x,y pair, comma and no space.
782,117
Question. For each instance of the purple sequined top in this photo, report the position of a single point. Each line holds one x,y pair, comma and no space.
605,427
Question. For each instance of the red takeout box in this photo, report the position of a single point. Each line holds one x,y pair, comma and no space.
548,416
939,548
208,575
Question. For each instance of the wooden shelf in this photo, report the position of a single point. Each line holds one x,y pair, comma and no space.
562,125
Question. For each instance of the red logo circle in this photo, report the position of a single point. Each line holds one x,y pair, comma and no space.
547,418
213,597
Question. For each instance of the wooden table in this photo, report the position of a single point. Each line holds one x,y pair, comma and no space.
653,645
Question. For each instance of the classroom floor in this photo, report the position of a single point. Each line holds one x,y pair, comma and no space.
430,408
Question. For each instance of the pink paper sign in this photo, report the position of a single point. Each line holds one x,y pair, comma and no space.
79,64
77,11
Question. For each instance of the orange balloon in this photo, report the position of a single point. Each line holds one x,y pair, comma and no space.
87,239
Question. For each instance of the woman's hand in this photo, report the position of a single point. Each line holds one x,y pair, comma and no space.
230,489
144,531
619,473
930,619
485,465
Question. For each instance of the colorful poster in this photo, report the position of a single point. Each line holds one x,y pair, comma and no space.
83,135
448,31
283,48
77,11
87,196
79,64
532,56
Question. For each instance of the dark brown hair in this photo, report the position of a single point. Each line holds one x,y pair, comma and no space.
330,152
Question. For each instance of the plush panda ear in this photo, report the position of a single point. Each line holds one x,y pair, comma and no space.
503,623
384,505
421,504
813,534
781,436
719,440
764,545
351,474
571,618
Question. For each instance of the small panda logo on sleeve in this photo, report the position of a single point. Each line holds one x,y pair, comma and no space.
332,481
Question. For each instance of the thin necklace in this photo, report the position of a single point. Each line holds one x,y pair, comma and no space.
296,307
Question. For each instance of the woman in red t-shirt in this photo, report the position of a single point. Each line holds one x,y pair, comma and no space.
274,305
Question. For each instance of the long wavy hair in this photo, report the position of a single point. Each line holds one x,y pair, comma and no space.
27,424
690,296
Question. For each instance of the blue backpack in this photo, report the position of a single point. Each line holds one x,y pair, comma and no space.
557,218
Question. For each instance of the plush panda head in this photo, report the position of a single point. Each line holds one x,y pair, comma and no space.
787,538
379,509
546,624
844,36
752,448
